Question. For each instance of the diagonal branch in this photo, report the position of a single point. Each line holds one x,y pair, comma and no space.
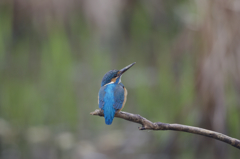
148,125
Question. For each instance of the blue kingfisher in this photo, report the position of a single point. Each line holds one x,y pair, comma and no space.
112,95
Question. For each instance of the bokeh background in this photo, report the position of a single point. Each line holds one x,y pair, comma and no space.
54,53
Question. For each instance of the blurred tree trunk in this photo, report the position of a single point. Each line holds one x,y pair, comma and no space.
217,30
103,17
20,18
219,33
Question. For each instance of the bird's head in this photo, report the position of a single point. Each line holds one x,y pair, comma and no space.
114,76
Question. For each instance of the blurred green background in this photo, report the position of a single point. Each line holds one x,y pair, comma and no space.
53,55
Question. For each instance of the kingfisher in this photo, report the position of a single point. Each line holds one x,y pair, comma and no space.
112,95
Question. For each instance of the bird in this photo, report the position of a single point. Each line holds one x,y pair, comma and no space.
112,95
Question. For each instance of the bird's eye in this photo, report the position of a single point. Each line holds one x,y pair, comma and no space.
115,76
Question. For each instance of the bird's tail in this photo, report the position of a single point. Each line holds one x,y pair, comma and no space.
109,113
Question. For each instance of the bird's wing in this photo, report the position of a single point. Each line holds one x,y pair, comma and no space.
118,96
101,95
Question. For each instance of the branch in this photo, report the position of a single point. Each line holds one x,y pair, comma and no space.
148,125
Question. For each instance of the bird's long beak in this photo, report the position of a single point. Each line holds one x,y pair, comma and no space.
125,69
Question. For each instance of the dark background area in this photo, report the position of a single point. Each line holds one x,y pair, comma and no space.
54,53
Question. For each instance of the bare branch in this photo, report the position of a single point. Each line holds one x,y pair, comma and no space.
148,125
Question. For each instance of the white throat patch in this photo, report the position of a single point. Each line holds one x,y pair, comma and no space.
109,83
120,79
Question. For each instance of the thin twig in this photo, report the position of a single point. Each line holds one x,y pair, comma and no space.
148,125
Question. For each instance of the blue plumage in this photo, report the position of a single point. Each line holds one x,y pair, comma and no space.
111,99
101,95
118,96
109,113
109,76
112,94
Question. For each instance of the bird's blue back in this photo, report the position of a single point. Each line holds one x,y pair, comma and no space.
111,98
112,94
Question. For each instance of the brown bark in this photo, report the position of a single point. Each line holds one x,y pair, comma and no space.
148,125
